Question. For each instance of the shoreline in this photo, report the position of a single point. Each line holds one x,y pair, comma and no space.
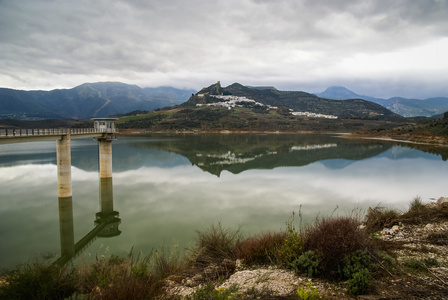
420,140
396,140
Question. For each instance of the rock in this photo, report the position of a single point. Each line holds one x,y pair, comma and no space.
442,200
391,231
429,227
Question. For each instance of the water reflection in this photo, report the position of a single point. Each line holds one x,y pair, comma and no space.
238,153
106,223
166,188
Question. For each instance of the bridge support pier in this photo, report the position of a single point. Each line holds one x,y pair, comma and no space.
105,157
64,165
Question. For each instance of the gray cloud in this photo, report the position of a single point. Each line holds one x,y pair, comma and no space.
290,44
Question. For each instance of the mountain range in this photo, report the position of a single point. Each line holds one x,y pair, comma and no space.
403,106
88,100
104,99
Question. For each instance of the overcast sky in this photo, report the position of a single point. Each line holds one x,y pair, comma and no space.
379,48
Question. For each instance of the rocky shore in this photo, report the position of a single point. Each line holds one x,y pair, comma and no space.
416,266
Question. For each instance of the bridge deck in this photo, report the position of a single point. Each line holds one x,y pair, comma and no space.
29,135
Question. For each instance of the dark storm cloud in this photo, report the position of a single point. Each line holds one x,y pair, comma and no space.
287,43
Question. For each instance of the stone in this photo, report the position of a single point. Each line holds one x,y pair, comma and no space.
442,200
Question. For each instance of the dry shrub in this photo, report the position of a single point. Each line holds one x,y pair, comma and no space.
425,214
261,249
380,217
416,203
117,278
166,263
215,245
333,239
438,238
37,280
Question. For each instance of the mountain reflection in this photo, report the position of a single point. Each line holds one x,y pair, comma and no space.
238,153
215,153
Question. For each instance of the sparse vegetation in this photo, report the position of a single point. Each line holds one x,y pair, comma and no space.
416,204
262,249
38,279
379,217
308,292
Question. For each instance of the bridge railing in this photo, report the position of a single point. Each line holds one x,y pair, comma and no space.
9,132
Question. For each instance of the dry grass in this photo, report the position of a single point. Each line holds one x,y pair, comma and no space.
117,278
425,214
261,249
216,244
379,217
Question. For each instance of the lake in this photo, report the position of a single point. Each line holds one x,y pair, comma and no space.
165,188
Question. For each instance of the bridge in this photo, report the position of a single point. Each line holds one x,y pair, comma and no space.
102,126
106,221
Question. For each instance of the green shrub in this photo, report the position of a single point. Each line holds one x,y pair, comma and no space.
307,264
292,247
355,262
360,282
431,262
208,292
355,268
414,265
308,292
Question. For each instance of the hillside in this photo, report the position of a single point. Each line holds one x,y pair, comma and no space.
297,101
399,105
100,99
430,132
241,108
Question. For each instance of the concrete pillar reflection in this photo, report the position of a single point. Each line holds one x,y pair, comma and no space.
107,216
64,166
66,228
106,195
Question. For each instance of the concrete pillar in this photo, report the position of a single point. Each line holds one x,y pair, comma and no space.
105,149
66,228
64,166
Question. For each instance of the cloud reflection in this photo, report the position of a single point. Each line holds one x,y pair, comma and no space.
161,205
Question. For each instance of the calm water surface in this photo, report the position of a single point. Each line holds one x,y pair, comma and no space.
167,187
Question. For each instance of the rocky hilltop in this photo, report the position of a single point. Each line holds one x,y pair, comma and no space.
238,108
296,101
